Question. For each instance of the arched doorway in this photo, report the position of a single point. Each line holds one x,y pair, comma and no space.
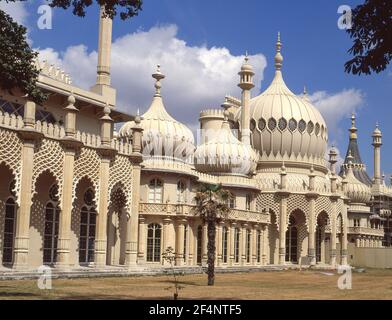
322,222
51,231
8,215
116,228
292,241
88,220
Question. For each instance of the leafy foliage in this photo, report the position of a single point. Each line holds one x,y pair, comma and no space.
211,206
129,8
372,34
17,68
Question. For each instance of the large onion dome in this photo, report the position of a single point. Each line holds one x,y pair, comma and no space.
284,125
162,134
225,153
357,191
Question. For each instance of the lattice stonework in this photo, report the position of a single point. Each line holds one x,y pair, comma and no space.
11,155
323,204
49,156
87,164
121,177
298,201
269,202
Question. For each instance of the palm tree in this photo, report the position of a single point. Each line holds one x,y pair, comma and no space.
211,206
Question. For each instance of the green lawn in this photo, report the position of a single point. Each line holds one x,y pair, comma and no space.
372,284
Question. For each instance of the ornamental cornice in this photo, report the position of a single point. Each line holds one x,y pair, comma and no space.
30,134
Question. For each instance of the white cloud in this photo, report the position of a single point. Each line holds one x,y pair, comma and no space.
337,106
17,10
197,77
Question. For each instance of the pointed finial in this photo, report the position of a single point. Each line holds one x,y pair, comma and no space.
305,91
278,56
158,76
353,130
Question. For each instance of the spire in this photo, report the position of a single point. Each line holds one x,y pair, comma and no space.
278,56
353,130
158,76
104,48
353,155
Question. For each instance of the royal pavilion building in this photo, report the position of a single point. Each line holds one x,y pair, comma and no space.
75,193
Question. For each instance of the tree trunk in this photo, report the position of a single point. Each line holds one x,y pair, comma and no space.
211,232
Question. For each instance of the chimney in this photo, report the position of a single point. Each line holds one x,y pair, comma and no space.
102,85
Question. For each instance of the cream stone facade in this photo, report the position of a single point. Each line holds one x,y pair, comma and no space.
74,193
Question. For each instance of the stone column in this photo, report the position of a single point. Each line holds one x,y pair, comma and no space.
180,242
265,246
311,239
131,250
231,259
191,250
282,230
283,215
243,244
29,136
70,145
107,153
333,232
312,196
141,255
344,237
166,235
204,244
253,246
220,244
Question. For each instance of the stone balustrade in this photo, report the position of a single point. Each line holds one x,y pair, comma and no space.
366,231
189,210
57,131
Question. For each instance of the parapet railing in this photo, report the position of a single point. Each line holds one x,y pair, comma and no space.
189,210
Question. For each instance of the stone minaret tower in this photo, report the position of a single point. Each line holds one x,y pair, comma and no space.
246,84
102,85
377,143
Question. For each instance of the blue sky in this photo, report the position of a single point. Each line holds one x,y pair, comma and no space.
314,51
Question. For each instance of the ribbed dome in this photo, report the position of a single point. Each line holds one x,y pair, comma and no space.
225,154
284,124
162,134
357,191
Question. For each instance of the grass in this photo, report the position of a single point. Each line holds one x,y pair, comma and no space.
308,284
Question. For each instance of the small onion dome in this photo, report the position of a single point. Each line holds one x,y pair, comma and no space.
377,132
246,66
355,190
286,125
225,154
162,134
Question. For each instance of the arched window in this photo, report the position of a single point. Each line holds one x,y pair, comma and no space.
258,245
181,192
225,234
199,243
155,192
237,245
9,230
248,239
154,242
292,241
52,216
88,220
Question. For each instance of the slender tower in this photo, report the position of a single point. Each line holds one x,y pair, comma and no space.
377,143
246,84
102,85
